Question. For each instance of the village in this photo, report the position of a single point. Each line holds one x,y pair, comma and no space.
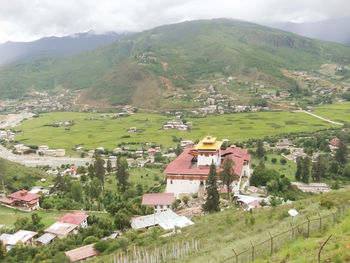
186,177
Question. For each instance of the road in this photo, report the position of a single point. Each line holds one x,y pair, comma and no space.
321,118
33,161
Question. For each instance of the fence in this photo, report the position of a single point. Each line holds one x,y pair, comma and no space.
276,241
164,254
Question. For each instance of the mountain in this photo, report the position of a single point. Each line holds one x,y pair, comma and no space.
144,68
54,46
335,30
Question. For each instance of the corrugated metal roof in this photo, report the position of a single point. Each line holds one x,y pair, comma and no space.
46,238
167,220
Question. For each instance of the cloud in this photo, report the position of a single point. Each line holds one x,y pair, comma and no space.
23,20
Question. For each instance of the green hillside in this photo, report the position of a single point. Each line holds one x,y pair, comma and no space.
143,68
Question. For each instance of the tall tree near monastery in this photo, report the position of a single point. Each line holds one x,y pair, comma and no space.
122,173
260,151
99,170
305,173
341,152
228,175
212,202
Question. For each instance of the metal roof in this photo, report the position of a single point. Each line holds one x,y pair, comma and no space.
46,238
167,220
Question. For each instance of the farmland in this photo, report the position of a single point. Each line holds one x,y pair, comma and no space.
106,132
339,112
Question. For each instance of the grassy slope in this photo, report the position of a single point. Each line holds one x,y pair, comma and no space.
193,50
306,250
220,232
336,112
108,132
22,177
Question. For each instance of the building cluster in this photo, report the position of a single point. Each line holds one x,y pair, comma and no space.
45,150
21,200
179,125
7,136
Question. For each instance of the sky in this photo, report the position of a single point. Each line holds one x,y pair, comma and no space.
27,20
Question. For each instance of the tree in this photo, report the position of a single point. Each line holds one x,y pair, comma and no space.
122,174
95,189
278,93
212,202
122,220
77,191
260,151
2,251
305,170
318,169
99,170
109,166
227,175
91,172
178,150
261,176
299,168
3,174
341,152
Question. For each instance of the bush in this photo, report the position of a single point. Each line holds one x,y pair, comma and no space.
90,240
283,161
185,199
102,245
273,160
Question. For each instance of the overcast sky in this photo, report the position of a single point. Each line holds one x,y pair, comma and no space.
25,20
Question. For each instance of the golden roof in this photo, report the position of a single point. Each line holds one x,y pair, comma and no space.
208,143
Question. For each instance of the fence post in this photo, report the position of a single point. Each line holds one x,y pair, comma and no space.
271,243
320,220
235,255
251,243
308,226
292,230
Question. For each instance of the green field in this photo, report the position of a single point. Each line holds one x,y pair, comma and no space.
108,132
339,112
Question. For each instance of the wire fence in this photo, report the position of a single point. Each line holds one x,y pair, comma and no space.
276,241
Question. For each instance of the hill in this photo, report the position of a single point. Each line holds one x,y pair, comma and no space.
54,46
147,68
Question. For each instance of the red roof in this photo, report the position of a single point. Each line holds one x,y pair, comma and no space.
182,164
6,201
76,218
81,253
255,203
335,142
24,195
158,199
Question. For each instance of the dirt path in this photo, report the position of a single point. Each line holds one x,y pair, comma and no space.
321,118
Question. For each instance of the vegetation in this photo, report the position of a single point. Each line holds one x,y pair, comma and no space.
212,201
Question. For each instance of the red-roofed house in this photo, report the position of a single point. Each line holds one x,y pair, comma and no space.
161,202
188,173
77,218
334,144
22,200
81,253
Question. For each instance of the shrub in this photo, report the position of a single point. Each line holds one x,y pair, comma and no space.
273,160
283,161
185,199
90,240
102,245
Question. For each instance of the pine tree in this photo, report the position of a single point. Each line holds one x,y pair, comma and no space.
341,152
99,170
212,202
178,150
260,151
277,93
122,174
109,166
227,175
305,173
299,168
318,169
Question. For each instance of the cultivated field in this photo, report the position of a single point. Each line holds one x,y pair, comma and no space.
108,133
339,112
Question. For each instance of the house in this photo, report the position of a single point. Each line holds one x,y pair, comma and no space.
81,253
77,218
79,149
20,148
188,173
161,202
186,143
132,129
312,187
283,144
23,236
151,151
69,223
91,153
60,152
21,200
139,153
166,220
45,239
334,144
